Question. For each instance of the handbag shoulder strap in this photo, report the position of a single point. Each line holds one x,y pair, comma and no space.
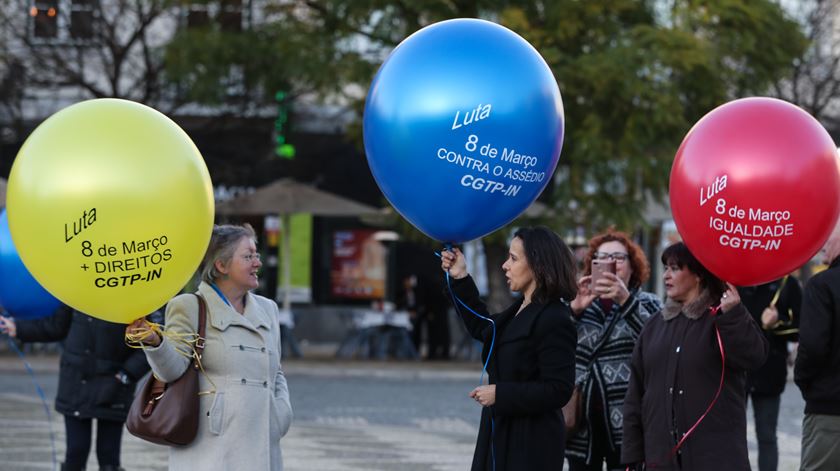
202,324
601,341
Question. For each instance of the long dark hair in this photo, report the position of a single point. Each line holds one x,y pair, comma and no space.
679,255
551,261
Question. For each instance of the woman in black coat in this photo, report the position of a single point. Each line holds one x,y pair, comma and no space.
676,371
97,379
532,362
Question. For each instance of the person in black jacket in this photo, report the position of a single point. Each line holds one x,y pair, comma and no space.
97,379
532,361
818,363
775,306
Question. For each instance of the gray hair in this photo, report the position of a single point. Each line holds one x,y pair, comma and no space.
223,244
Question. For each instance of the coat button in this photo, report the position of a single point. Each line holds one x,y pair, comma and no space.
84,381
242,347
76,413
681,391
678,349
262,349
265,384
670,390
244,381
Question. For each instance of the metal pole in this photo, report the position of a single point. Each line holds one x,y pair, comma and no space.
286,225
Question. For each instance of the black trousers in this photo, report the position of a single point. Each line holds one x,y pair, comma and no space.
108,441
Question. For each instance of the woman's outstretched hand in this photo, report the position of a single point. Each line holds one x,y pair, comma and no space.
453,261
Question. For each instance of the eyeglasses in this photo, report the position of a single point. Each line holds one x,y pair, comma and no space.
619,257
251,257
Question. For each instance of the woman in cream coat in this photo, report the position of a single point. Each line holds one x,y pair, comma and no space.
245,407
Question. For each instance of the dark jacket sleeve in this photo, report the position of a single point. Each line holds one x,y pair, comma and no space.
46,329
555,336
466,292
815,333
744,342
633,443
136,365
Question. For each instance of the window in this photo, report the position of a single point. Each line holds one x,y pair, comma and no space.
197,17
230,15
82,19
45,18
226,15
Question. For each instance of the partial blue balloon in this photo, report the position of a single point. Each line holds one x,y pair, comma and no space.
463,128
20,294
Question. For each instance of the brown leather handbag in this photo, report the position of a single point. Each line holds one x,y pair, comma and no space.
573,412
167,413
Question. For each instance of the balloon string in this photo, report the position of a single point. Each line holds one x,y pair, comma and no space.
40,394
714,312
456,300
184,343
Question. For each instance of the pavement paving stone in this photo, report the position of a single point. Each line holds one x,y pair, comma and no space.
350,416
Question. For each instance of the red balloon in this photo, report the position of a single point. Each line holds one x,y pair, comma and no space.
755,189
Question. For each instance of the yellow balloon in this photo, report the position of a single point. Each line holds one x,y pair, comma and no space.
110,207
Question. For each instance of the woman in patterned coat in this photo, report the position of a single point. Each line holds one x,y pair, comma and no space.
609,316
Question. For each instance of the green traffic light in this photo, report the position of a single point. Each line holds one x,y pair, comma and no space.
287,151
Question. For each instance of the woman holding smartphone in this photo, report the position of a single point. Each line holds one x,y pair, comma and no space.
610,309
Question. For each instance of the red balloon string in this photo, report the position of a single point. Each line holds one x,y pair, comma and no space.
714,311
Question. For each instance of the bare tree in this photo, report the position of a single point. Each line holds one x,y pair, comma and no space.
11,99
814,81
86,49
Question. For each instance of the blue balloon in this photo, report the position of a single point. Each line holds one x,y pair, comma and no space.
463,128
20,294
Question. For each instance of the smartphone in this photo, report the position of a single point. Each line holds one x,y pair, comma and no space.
599,267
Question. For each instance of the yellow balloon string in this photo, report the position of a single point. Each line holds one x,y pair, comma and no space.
184,343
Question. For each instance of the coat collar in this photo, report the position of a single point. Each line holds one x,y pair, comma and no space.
518,326
693,310
220,315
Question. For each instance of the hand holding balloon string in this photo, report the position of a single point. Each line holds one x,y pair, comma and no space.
730,298
142,333
8,326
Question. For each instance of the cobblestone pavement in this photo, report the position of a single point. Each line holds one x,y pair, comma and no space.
348,416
